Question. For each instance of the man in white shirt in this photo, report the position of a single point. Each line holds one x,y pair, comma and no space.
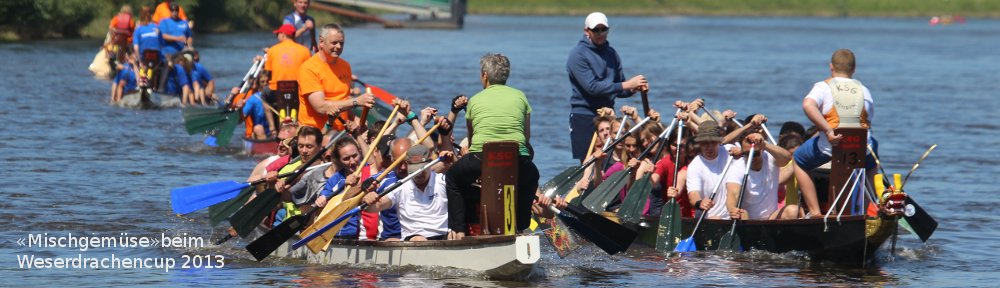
705,170
423,202
760,198
838,101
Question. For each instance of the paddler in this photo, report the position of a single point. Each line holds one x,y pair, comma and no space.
423,202
497,113
760,196
706,169
325,83
347,156
838,101
303,25
285,58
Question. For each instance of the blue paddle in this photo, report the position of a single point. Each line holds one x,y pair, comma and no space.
193,198
688,245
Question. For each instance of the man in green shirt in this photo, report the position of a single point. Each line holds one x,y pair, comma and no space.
498,113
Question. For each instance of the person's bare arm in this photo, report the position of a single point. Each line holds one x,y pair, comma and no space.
781,156
811,108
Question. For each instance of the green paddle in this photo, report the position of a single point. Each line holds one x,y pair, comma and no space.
668,232
631,210
731,241
598,200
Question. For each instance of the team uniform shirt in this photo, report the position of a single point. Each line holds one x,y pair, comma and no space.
177,80
333,187
284,60
422,212
127,74
147,37
163,12
760,198
389,217
200,74
498,113
823,95
173,27
254,109
334,80
299,21
704,174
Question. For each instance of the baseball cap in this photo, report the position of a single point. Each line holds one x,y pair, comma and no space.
287,29
416,157
596,18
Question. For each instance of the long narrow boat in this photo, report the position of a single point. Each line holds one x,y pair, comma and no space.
500,257
852,240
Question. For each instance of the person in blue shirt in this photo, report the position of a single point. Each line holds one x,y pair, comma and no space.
146,37
125,80
347,157
304,25
595,74
257,110
175,32
178,81
202,82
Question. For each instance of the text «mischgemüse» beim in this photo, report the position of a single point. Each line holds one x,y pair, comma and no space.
84,243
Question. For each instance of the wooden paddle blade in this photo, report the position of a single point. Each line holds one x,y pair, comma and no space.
247,218
336,224
598,200
635,201
193,198
668,231
323,241
730,242
270,241
921,222
606,234
220,212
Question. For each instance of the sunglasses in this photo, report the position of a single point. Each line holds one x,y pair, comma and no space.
599,29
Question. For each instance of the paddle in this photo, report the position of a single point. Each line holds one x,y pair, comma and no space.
193,198
669,228
202,120
762,125
606,234
331,211
247,217
922,223
630,211
645,101
688,245
598,200
730,241
566,184
332,226
221,211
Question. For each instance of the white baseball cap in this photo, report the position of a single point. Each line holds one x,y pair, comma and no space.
594,19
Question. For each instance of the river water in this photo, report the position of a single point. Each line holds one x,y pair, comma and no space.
73,164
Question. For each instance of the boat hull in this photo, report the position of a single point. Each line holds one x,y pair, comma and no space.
151,100
852,241
500,257
260,147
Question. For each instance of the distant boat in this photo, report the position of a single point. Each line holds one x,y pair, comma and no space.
946,20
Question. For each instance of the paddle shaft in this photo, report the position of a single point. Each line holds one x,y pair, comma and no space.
915,165
712,197
739,200
677,155
340,219
378,138
670,128
256,73
645,101
618,134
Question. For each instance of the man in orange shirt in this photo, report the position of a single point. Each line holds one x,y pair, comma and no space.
325,83
284,58
163,11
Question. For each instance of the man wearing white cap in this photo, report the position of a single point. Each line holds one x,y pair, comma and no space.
595,74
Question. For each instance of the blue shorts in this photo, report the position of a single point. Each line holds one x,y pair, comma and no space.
581,130
808,156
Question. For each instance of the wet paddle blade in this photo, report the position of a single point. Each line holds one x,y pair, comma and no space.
193,198
606,234
668,231
247,218
921,222
270,241
561,178
686,245
598,200
559,236
323,229
315,237
730,242
225,132
635,201
202,120
220,212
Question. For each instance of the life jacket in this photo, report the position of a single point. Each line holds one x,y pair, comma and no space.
848,109
124,24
